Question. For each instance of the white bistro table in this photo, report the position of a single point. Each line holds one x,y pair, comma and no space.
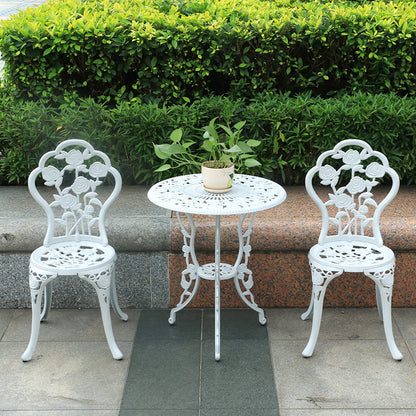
185,194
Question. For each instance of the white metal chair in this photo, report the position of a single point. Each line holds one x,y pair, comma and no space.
76,241
350,238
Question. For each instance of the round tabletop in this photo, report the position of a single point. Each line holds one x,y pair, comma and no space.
186,194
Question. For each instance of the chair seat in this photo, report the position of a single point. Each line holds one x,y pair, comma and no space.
351,256
72,258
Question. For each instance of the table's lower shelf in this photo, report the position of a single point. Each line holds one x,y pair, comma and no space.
207,271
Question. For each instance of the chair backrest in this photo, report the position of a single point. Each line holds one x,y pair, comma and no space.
347,175
75,209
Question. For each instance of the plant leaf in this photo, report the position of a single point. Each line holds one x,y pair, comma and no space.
239,125
253,143
235,149
163,168
159,151
251,163
176,135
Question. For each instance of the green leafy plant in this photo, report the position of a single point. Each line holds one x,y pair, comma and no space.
293,131
222,145
182,50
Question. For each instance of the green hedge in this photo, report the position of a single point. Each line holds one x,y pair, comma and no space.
179,50
293,131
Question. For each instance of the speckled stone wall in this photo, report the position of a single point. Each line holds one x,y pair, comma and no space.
139,231
283,279
150,259
141,278
280,242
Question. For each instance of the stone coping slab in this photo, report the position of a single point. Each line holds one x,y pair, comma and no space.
133,222
149,243
296,223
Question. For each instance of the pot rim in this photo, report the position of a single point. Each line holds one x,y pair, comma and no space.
228,166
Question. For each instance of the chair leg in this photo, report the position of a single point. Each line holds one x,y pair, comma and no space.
38,282
114,299
47,301
101,281
384,279
306,315
379,302
320,279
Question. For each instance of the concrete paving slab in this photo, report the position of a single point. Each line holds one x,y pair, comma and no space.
6,317
61,413
411,344
348,412
62,375
345,376
356,374
337,324
406,319
71,325
239,412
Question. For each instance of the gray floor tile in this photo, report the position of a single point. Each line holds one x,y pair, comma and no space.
243,379
162,412
62,375
165,366
358,374
235,324
154,324
164,374
336,324
71,325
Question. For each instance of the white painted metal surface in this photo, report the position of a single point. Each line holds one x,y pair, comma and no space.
186,194
76,241
248,195
350,238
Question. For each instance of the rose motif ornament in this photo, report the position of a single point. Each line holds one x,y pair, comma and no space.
50,175
327,173
351,157
375,170
343,201
81,185
98,170
356,185
74,158
68,201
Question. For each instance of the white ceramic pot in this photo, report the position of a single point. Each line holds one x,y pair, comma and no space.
217,180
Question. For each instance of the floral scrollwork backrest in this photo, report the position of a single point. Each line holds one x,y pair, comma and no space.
69,179
342,185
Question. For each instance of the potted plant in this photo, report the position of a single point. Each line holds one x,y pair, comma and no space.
221,152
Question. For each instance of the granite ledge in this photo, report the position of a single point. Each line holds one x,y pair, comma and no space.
133,223
296,223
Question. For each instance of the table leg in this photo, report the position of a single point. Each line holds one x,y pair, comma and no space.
217,286
240,279
190,278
